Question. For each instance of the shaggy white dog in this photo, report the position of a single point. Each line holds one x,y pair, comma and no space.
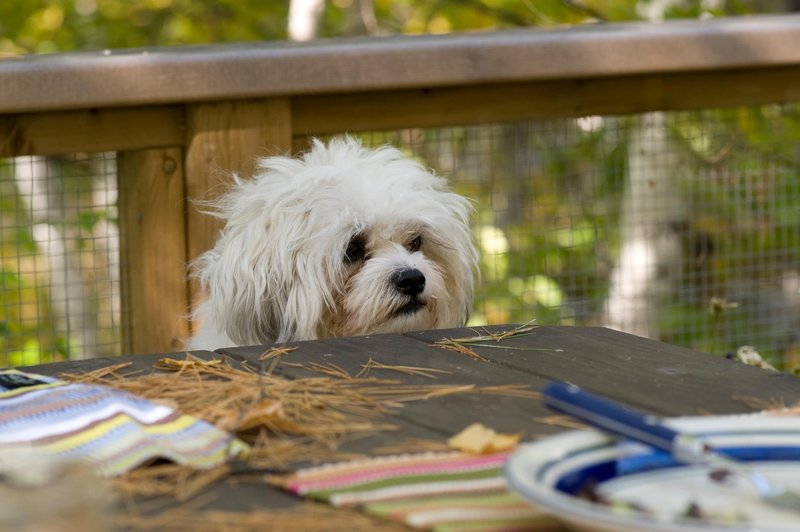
344,241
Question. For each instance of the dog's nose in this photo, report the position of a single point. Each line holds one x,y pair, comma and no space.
409,281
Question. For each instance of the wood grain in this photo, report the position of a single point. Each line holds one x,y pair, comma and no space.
165,126
91,130
153,235
510,102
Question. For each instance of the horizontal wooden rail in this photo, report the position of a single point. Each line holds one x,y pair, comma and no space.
162,126
192,74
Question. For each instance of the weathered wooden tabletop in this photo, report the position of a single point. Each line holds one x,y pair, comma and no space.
652,376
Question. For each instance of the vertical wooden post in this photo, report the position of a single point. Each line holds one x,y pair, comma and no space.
225,138
155,292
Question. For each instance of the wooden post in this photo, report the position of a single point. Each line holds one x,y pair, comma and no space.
225,138
152,215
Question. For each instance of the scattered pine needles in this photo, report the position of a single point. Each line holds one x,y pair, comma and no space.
464,345
167,479
287,422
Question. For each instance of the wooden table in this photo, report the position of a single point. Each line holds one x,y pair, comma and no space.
652,376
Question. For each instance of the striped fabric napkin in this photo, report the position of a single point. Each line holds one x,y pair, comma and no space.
45,419
443,491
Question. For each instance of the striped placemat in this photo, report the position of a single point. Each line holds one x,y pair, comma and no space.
43,418
441,491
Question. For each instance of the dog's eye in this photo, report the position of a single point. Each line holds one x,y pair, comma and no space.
415,244
356,250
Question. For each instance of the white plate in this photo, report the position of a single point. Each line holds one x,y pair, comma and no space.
551,473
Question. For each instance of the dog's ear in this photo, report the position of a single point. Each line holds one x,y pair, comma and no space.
235,291
467,256
456,252
266,279
299,309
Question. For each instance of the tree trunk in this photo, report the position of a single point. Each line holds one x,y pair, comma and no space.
304,18
650,250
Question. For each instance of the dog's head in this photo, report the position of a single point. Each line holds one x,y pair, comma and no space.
343,241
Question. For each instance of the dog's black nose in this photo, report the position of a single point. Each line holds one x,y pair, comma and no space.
409,281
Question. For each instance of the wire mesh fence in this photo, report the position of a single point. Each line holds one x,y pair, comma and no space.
680,226
59,259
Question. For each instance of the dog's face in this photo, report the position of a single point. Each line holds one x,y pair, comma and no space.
395,278
345,241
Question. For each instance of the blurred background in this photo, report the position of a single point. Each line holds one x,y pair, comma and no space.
678,226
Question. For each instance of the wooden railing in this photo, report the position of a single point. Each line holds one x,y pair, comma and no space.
181,119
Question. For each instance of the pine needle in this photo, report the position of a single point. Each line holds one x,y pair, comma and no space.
329,368
559,420
456,346
407,370
275,352
516,348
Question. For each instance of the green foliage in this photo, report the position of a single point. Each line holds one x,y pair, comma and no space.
61,25
22,322
42,26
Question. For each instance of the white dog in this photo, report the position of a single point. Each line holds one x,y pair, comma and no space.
344,241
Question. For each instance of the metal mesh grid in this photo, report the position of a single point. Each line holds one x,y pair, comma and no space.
59,290
680,226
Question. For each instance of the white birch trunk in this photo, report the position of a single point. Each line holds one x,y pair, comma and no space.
650,251
304,17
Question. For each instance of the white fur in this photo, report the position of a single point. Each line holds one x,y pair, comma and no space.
278,271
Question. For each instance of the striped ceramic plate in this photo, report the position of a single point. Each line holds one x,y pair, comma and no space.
597,483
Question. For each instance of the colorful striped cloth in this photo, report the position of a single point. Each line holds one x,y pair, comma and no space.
435,491
43,419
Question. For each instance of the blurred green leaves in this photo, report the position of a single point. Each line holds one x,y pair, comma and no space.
46,26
